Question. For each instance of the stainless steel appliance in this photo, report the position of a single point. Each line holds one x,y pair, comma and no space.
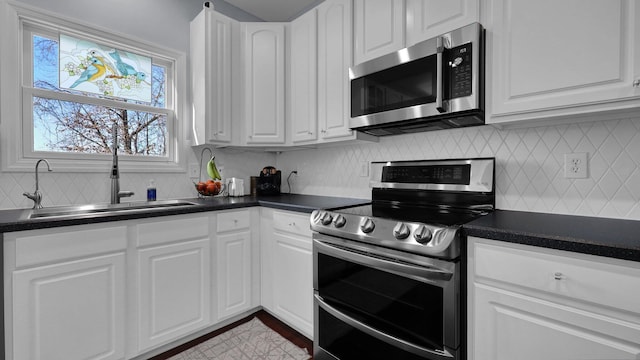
388,276
435,84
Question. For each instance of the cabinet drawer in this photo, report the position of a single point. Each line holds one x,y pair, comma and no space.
234,220
587,278
171,229
291,222
53,245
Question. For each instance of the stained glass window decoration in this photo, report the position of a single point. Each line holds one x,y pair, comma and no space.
93,68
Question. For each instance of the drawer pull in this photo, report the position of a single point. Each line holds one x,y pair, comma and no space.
292,224
558,276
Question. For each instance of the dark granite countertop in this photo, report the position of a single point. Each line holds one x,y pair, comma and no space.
13,220
613,238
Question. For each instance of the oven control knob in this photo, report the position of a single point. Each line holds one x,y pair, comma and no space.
422,234
339,221
401,231
367,225
326,218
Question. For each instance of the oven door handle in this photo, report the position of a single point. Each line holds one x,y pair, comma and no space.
401,268
391,340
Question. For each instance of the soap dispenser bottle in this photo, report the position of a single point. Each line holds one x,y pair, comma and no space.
151,191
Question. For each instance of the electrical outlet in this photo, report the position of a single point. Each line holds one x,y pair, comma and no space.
193,170
576,166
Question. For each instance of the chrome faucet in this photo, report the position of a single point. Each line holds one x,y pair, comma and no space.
37,195
116,194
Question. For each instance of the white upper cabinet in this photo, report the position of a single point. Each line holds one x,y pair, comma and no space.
303,79
263,57
211,64
550,60
379,27
334,59
429,18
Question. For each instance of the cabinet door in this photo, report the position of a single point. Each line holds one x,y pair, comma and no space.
233,273
543,60
293,280
334,59
70,310
291,263
173,290
210,53
303,115
512,326
429,18
263,55
378,28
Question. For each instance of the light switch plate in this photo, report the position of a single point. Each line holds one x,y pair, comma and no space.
364,169
193,170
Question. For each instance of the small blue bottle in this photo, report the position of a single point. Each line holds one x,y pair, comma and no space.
151,191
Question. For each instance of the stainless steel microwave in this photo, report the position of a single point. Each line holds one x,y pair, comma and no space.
432,85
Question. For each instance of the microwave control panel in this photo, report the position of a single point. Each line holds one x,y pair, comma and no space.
460,71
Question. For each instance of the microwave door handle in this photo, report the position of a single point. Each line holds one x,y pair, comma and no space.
391,340
440,105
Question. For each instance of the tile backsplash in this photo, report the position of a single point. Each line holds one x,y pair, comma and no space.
529,169
529,165
60,188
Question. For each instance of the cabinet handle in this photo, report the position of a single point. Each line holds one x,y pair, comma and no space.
310,132
636,83
558,276
292,224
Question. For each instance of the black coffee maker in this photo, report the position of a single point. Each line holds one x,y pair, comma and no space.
269,181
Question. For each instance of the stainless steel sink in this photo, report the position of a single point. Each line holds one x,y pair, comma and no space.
103,209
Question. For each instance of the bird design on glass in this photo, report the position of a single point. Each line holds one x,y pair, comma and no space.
125,69
94,71
105,61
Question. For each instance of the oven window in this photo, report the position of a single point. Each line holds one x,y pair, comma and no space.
405,85
395,305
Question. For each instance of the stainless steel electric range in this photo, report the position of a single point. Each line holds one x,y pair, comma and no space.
387,276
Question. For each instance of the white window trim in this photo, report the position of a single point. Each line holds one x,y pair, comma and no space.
15,122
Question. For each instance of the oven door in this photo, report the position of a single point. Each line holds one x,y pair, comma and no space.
377,303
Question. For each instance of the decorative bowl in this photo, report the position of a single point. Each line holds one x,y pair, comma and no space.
208,188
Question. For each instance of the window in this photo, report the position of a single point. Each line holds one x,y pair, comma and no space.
73,125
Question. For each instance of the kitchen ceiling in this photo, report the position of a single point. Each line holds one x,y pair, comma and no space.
274,10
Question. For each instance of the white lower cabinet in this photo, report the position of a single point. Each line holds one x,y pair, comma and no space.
236,262
125,289
65,293
174,278
534,303
287,263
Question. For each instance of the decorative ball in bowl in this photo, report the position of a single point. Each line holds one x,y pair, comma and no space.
208,188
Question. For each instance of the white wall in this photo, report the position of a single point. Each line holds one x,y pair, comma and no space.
162,22
529,169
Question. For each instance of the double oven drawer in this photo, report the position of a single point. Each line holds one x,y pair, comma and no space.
373,303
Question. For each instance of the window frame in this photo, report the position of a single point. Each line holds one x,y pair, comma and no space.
17,136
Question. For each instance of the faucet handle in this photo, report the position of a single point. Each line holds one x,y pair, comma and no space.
36,197
124,193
